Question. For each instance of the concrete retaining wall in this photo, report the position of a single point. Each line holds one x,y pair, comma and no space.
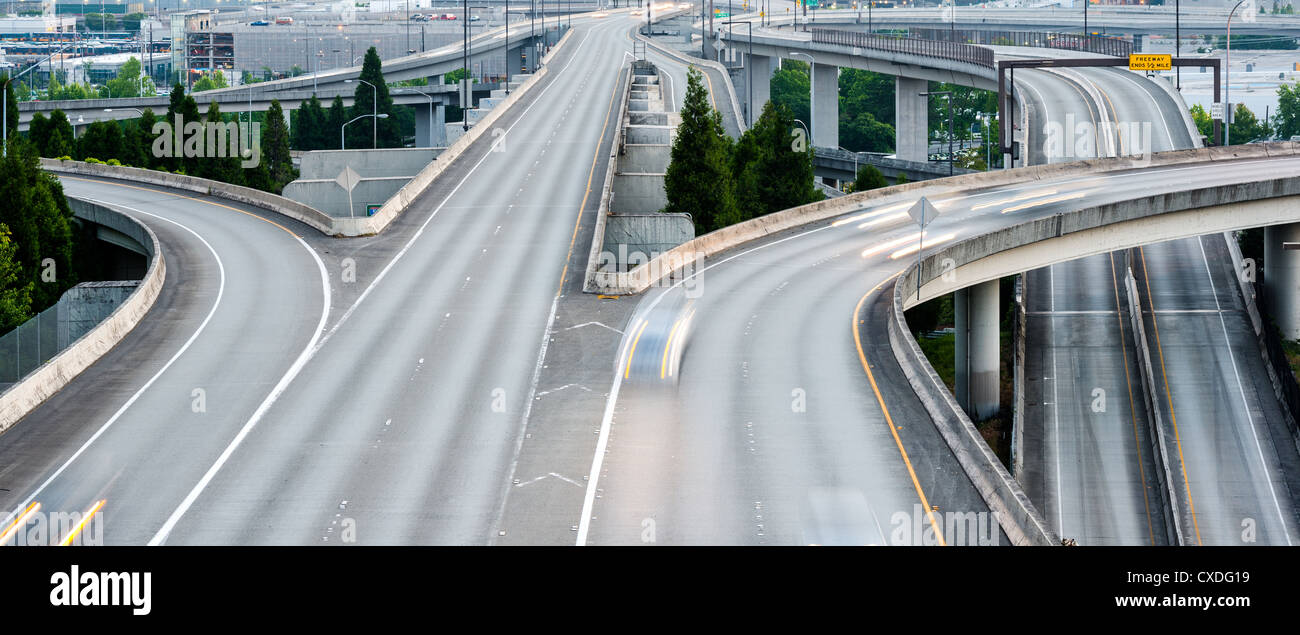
309,216
651,233
387,162
1021,521
639,193
35,388
1159,447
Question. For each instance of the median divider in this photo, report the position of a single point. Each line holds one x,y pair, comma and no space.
1159,447
23,397
1016,514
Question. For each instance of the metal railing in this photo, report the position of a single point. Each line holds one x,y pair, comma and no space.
1103,45
957,51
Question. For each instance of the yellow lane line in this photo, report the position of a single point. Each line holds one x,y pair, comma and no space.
663,365
1132,409
85,520
857,340
590,175
20,521
628,369
1173,419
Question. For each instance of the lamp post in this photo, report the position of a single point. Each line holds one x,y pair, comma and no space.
507,47
343,139
1178,42
949,101
465,98
1227,79
135,109
375,112
812,91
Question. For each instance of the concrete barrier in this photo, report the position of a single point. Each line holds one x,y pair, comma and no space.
309,216
589,280
1159,447
696,61
1248,297
1018,380
24,396
1021,521
412,190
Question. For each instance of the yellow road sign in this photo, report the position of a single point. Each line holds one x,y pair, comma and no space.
1150,62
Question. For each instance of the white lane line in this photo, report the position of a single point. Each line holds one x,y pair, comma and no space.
1056,416
262,408
420,232
1242,391
221,288
597,459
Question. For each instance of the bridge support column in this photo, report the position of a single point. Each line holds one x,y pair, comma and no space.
977,352
826,100
762,74
430,128
911,120
1282,278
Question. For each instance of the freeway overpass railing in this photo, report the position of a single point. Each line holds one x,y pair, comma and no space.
957,51
1103,45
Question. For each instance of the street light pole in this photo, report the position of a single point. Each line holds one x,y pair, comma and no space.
343,140
1227,79
1178,42
375,110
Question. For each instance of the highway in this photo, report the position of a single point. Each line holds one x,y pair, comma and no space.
1234,463
1088,453
406,422
243,301
270,399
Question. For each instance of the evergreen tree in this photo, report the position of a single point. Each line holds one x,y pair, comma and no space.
275,148
334,120
869,178
145,138
310,130
40,220
60,140
785,175
362,133
699,180
102,140
38,132
213,165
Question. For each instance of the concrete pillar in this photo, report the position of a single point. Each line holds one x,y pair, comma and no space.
427,124
977,349
761,67
911,120
826,102
1282,278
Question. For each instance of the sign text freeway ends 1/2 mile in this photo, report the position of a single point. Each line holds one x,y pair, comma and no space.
1146,62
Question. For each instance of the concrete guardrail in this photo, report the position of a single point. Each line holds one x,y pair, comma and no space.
23,397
